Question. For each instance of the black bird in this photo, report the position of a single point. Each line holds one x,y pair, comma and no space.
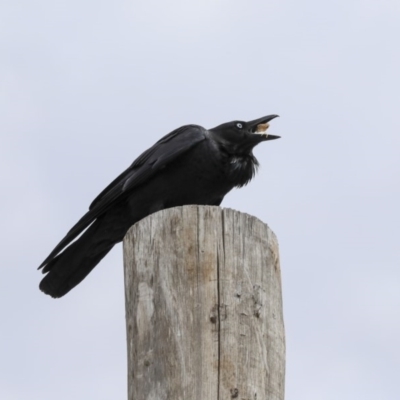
190,165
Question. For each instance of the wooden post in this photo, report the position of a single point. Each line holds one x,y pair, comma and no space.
203,307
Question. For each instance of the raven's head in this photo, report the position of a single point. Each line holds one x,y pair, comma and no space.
236,141
239,137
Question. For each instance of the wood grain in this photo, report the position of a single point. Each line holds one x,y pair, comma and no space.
203,307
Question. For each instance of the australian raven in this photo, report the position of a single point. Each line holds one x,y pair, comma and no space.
190,165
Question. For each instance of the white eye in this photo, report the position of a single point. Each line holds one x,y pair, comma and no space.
239,125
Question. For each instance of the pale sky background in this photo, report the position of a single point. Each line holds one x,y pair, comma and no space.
86,86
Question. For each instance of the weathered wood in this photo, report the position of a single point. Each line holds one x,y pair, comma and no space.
203,307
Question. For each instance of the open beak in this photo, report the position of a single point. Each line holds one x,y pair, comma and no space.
259,127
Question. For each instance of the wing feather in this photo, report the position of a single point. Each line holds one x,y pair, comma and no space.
165,151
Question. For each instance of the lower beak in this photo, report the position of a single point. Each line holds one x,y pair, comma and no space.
271,137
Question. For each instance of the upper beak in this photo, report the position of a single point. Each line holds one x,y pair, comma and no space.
252,125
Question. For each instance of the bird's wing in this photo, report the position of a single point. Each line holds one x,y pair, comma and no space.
165,151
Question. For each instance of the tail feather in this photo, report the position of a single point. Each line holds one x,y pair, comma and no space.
70,267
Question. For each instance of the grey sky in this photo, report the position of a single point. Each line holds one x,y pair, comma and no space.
86,86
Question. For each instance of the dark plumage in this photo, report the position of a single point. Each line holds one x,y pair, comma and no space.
190,165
